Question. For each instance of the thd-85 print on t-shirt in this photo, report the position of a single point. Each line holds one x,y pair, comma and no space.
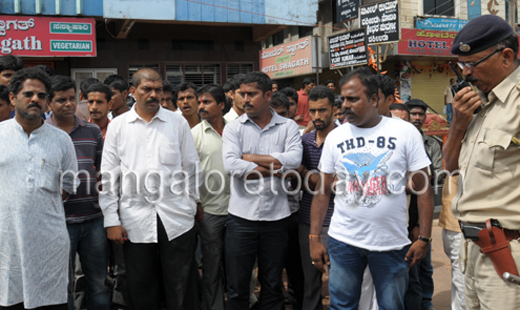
371,166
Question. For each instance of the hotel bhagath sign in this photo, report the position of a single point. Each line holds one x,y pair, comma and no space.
289,59
47,36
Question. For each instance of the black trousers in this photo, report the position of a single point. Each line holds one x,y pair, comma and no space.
149,264
245,241
20,307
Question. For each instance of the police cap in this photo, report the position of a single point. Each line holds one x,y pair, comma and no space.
479,34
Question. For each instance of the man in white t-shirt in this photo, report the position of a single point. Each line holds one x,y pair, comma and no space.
370,156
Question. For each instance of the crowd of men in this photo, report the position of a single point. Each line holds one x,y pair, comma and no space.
118,190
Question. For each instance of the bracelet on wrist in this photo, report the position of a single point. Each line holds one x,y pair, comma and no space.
314,237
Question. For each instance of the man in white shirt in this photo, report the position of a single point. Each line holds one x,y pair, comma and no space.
149,195
370,156
253,145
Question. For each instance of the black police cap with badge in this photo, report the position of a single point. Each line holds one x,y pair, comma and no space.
479,34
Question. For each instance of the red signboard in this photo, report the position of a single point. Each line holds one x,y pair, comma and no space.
423,42
47,36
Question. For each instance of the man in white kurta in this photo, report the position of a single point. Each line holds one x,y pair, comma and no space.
34,243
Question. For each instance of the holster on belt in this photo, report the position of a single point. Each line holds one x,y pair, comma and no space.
495,244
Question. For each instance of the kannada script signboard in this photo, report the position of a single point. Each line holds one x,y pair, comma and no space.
47,36
425,42
348,49
346,10
289,59
381,21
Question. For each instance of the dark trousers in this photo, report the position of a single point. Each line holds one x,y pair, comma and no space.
20,307
118,274
245,240
149,264
293,265
212,236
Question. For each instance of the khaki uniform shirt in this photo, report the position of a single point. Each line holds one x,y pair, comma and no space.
489,161
214,192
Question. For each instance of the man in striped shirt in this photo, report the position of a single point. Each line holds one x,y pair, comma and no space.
321,111
84,217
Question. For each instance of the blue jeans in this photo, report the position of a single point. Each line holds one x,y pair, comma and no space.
449,110
347,263
245,240
89,240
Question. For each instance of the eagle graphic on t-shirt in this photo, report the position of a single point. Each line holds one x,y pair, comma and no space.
366,177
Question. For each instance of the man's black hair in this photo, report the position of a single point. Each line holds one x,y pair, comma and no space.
99,88
234,84
262,80
416,103
60,83
10,62
227,86
280,100
186,86
399,106
217,92
307,81
85,84
367,78
117,82
321,92
290,92
174,96
338,103
16,83
274,82
46,69
330,81
386,84
4,93
167,86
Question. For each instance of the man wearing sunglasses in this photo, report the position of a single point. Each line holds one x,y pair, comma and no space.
37,170
484,147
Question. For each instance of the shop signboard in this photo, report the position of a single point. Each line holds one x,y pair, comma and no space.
381,21
289,59
348,49
441,24
423,42
346,10
47,36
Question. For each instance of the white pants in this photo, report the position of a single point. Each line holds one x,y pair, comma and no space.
367,300
451,241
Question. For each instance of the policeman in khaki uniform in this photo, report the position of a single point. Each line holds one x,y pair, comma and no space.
485,147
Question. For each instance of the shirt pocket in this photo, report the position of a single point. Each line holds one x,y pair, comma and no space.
490,146
50,177
170,154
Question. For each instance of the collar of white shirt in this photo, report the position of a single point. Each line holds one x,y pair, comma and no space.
133,116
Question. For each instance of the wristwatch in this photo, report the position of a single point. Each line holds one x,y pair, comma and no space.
424,239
